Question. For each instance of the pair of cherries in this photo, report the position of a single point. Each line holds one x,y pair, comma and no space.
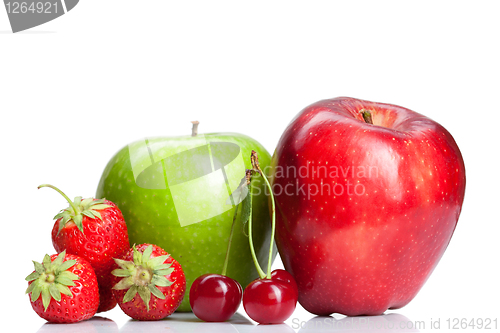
215,297
271,299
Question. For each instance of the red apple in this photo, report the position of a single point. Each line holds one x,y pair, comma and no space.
364,210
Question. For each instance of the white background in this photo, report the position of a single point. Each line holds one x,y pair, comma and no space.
77,89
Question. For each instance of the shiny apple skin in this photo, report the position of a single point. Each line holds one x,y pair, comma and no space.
215,297
370,249
151,214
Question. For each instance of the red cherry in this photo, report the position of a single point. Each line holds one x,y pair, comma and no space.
281,274
272,298
215,297
270,301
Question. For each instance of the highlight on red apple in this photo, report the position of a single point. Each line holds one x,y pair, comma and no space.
368,196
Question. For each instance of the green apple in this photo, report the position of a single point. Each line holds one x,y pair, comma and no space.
175,192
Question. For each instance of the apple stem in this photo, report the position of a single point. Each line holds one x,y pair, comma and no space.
226,260
194,130
72,204
261,273
367,116
256,166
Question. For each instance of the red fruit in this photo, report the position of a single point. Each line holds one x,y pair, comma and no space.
63,289
95,230
368,196
149,284
282,275
272,298
271,301
214,297
107,301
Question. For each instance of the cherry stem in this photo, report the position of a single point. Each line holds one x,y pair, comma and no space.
273,229
194,130
72,204
226,260
367,116
255,164
262,275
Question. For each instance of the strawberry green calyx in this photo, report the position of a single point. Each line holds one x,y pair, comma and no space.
143,275
51,279
77,208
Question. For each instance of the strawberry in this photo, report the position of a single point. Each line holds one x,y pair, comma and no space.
63,288
149,283
95,230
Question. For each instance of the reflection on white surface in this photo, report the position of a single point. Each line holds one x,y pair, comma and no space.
183,322
177,322
363,324
94,324
279,328
188,323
